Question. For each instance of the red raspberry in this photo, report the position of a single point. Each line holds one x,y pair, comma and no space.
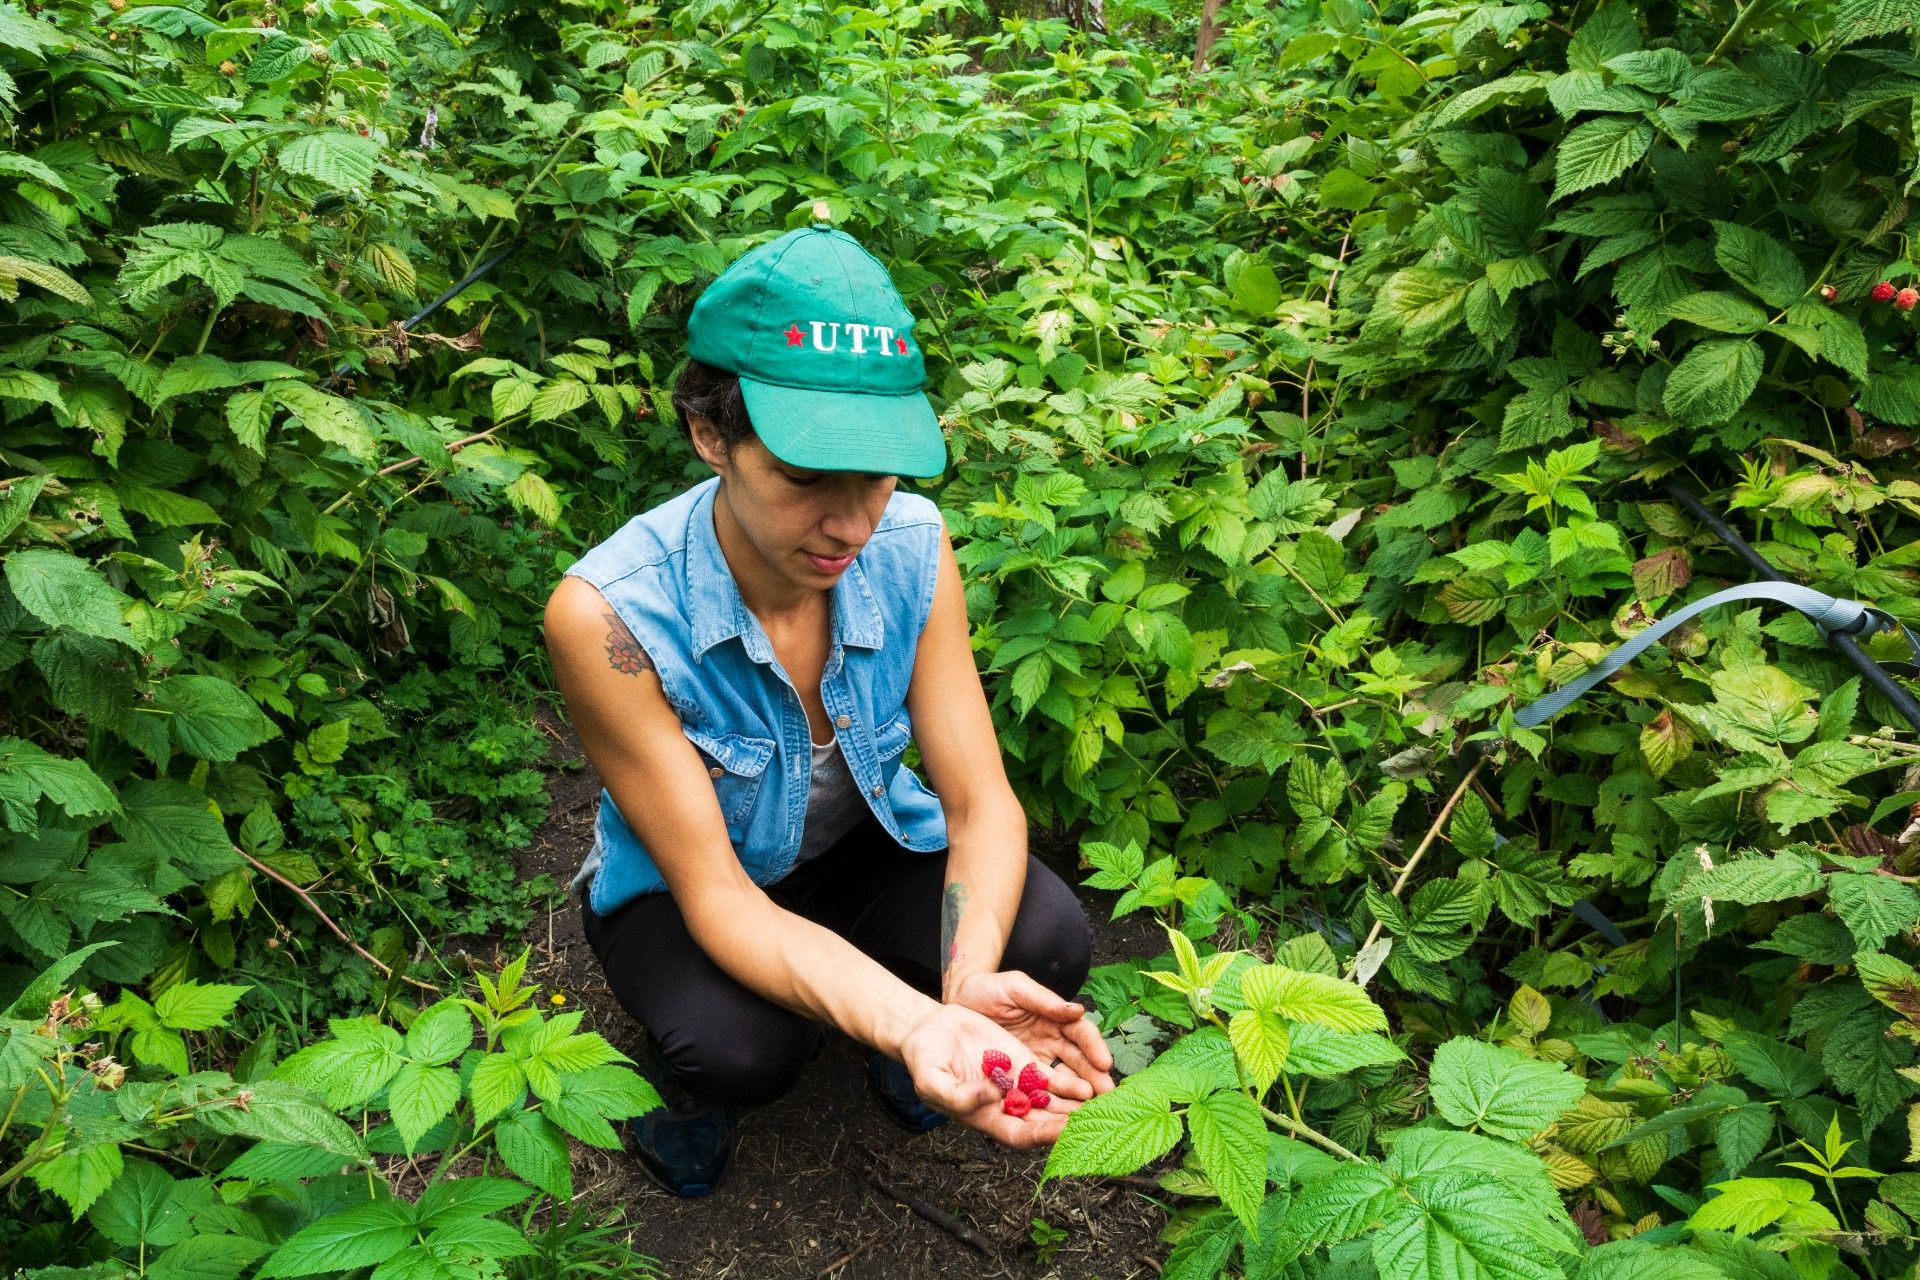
1907,298
1038,1099
1828,292
1016,1104
1882,292
994,1058
1032,1078
1002,1079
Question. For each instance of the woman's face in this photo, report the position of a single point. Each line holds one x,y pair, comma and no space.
806,526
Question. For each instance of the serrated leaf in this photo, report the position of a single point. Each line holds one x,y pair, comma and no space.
420,1097
1499,1090
1117,1132
1310,997
332,157
1747,1205
534,1148
1230,1141
1873,907
440,1034
363,1236
65,591
1261,1042
1713,380
1599,151
195,1006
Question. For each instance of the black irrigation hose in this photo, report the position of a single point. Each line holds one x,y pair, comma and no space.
480,271
1848,647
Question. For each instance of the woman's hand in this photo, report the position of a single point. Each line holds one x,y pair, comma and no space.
1048,1028
942,1052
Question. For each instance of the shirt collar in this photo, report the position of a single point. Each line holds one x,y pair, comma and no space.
717,613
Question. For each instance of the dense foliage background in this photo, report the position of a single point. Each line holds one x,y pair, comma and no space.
1309,402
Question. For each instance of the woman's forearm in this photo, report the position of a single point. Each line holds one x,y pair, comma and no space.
986,875
804,967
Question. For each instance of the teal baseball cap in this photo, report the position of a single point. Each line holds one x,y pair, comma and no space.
824,348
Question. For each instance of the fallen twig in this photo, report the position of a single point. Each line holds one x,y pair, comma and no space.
328,920
938,1217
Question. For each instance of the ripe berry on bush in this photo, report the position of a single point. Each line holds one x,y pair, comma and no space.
1907,298
1828,292
1883,292
1016,1104
1032,1079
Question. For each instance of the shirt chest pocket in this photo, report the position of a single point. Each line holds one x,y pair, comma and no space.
737,763
890,740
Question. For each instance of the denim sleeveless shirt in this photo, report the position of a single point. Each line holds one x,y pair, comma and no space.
664,574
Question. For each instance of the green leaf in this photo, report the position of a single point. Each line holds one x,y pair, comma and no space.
1499,1090
1780,1069
1713,380
1721,312
1463,1226
194,1006
1317,1051
1310,997
211,718
600,1094
64,591
79,1176
461,1200
420,1097
1116,1132
498,1082
140,1208
1230,1141
536,1150
1599,151
332,419
287,1113
1873,907
1261,1042
363,1236
441,1033
1759,263
333,158
221,1257
350,1067
1747,1205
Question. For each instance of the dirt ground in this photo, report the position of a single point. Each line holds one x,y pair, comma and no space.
821,1183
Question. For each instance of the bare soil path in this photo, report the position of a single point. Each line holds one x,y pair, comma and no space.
822,1184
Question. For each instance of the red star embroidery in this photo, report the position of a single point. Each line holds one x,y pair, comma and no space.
902,344
794,337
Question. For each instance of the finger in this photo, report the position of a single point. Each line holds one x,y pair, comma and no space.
1064,1082
958,1097
1092,1047
1073,1058
1035,998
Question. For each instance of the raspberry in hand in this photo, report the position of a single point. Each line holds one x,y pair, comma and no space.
993,1058
1032,1078
1016,1104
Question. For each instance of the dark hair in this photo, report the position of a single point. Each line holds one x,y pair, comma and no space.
702,391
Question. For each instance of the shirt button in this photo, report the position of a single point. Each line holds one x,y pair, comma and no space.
878,789
843,721
717,771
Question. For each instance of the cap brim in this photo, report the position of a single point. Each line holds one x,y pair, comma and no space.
847,430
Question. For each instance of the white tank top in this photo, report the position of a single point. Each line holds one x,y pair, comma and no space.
834,803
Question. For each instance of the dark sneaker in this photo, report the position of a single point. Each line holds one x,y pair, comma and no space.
684,1145
685,1151
892,1084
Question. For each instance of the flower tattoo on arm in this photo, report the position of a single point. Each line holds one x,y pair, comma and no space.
623,651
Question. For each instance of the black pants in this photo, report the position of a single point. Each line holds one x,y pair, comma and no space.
726,1045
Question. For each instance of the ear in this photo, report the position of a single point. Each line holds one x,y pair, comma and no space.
707,442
